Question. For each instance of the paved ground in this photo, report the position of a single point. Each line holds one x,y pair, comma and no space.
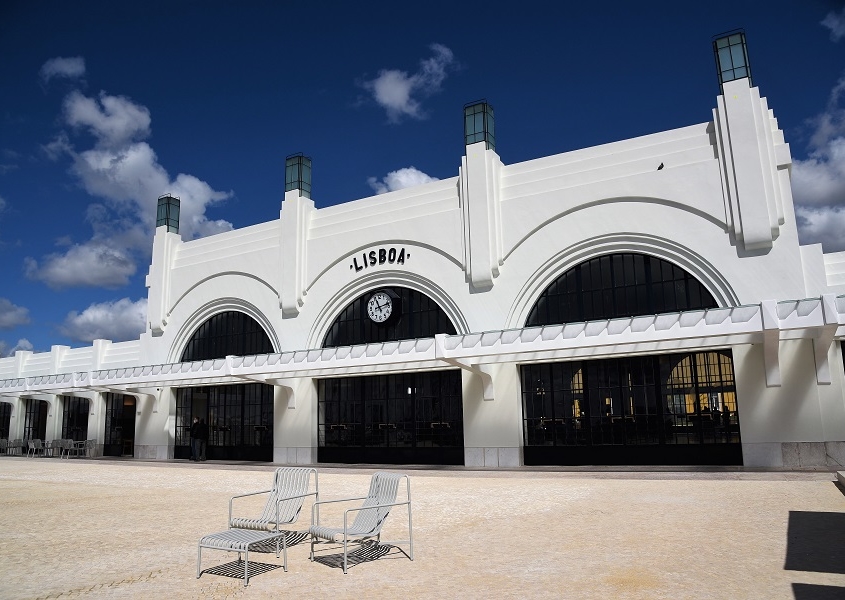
128,529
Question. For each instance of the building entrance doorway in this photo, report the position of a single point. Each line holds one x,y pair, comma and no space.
403,418
75,418
5,419
239,419
120,425
35,419
672,409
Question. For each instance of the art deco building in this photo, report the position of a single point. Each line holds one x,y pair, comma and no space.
641,302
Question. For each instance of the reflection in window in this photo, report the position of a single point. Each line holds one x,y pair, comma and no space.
618,285
648,400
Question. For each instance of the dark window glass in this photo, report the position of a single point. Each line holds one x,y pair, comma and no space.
648,400
227,333
420,317
403,410
35,419
239,419
75,418
618,285
120,425
5,419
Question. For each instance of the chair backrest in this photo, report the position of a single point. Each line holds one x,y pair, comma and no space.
287,481
383,488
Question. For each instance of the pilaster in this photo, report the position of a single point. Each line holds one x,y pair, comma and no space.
294,223
165,246
481,214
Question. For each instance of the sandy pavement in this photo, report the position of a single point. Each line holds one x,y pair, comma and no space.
129,529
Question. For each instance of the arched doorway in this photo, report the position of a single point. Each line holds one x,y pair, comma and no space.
239,417
397,418
668,409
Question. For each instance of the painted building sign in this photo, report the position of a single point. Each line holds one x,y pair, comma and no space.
380,256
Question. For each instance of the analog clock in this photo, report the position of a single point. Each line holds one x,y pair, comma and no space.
380,307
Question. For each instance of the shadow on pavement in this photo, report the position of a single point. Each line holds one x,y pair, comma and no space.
815,541
808,591
366,553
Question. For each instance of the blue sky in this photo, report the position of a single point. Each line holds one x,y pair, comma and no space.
106,105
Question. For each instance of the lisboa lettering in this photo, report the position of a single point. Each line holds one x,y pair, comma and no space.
391,256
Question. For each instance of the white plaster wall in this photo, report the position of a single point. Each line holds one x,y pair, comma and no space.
295,421
787,413
832,397
493,423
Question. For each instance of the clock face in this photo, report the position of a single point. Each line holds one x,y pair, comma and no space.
380,307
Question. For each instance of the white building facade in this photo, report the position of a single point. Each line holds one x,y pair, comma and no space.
641,302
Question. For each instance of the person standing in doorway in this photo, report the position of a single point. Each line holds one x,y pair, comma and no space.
195,439
203,435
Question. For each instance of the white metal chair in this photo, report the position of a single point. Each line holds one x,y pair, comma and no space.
16,447
291,486
369,517
34,447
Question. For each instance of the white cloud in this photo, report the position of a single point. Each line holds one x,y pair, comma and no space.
836,24
90,264
114,120
818,182
12,315
399,93
117,321
123,170
71,68
399,179
5,350
820,179
822,225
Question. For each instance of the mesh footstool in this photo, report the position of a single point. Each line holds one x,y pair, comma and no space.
240,540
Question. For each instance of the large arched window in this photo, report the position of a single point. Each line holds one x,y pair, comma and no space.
415,316
227,333
618,285
239,417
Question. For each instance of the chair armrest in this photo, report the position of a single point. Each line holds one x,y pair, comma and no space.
360,508
232,499
315,508
280,500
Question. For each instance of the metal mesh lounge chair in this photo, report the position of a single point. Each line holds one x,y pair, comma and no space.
369,517
291,486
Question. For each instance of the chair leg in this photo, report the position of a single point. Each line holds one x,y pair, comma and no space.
344,553
199,560
285,547
410,534
246,568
